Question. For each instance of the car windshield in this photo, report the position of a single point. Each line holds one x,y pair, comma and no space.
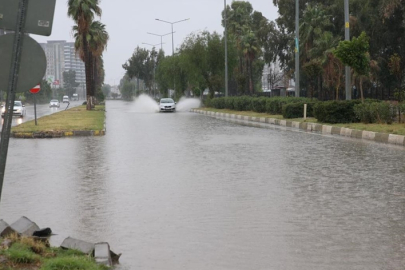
17,103
167,100
54,100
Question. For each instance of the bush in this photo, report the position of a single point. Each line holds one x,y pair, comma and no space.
242,103
296,110
336,111
375,112
259,104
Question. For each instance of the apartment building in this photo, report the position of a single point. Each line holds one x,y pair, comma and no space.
60,57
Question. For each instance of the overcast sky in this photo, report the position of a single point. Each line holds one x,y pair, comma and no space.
128,21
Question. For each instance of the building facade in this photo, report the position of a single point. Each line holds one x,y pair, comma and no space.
61,57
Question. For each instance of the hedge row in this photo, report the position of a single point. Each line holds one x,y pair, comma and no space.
257,104
347,111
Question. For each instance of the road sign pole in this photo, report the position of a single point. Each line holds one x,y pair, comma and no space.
35,109
12,85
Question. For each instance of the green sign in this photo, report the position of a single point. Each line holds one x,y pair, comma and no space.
39,16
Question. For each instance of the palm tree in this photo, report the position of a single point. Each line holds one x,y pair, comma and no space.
96,38
322,50
82,12
251,49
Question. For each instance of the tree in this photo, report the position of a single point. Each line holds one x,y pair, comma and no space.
69,82
83,12
106,89
355,54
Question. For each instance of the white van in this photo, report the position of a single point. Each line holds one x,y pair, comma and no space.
65,99
75,97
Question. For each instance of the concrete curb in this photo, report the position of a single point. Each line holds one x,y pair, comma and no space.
314,127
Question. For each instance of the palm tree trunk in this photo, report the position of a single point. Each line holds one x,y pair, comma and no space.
87,67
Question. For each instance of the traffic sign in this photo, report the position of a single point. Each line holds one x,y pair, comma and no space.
39,16
32,66
36,89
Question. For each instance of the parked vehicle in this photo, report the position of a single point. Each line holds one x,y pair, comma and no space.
75,97
18,109
167,105
54,103
65,99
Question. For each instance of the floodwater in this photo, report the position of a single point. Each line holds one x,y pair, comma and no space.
187,191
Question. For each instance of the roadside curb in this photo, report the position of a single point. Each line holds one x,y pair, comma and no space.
314,127
57,134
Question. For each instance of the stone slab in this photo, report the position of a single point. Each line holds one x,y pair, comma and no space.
24,226
83,246
102,254
5,229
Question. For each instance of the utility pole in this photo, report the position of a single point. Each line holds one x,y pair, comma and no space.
297,48
226,51
347,37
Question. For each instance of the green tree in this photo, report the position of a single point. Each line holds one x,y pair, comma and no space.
106,88
69,82
355,54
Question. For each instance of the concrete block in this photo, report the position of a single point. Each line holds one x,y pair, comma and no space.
5,229
24,226
326,129
303,126
381,137
246,118
368,135
83,246
295,124
396,139
358,134
336,130
283,123
102,254
271,121
346,132
262,120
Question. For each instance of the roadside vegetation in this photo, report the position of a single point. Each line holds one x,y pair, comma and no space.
20,253
371,115
77,118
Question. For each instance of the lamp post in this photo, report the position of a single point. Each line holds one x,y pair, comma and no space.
226,50
172,23
347,37
297,48
161,38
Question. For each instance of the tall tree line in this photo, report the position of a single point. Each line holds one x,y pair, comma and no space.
378,27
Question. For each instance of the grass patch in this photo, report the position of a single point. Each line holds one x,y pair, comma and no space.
71,263
26,253
396,128
77,118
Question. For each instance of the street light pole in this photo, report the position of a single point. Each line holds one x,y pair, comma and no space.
347,37
161,38
226,51
172,23
297,49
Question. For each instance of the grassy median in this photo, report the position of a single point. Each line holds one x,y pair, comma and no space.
77,118
395,128
29,254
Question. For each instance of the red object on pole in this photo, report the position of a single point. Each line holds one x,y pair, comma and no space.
36,89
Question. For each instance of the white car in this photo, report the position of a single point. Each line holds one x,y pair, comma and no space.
18,110
167,105
54,103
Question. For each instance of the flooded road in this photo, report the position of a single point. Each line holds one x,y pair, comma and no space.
186,191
